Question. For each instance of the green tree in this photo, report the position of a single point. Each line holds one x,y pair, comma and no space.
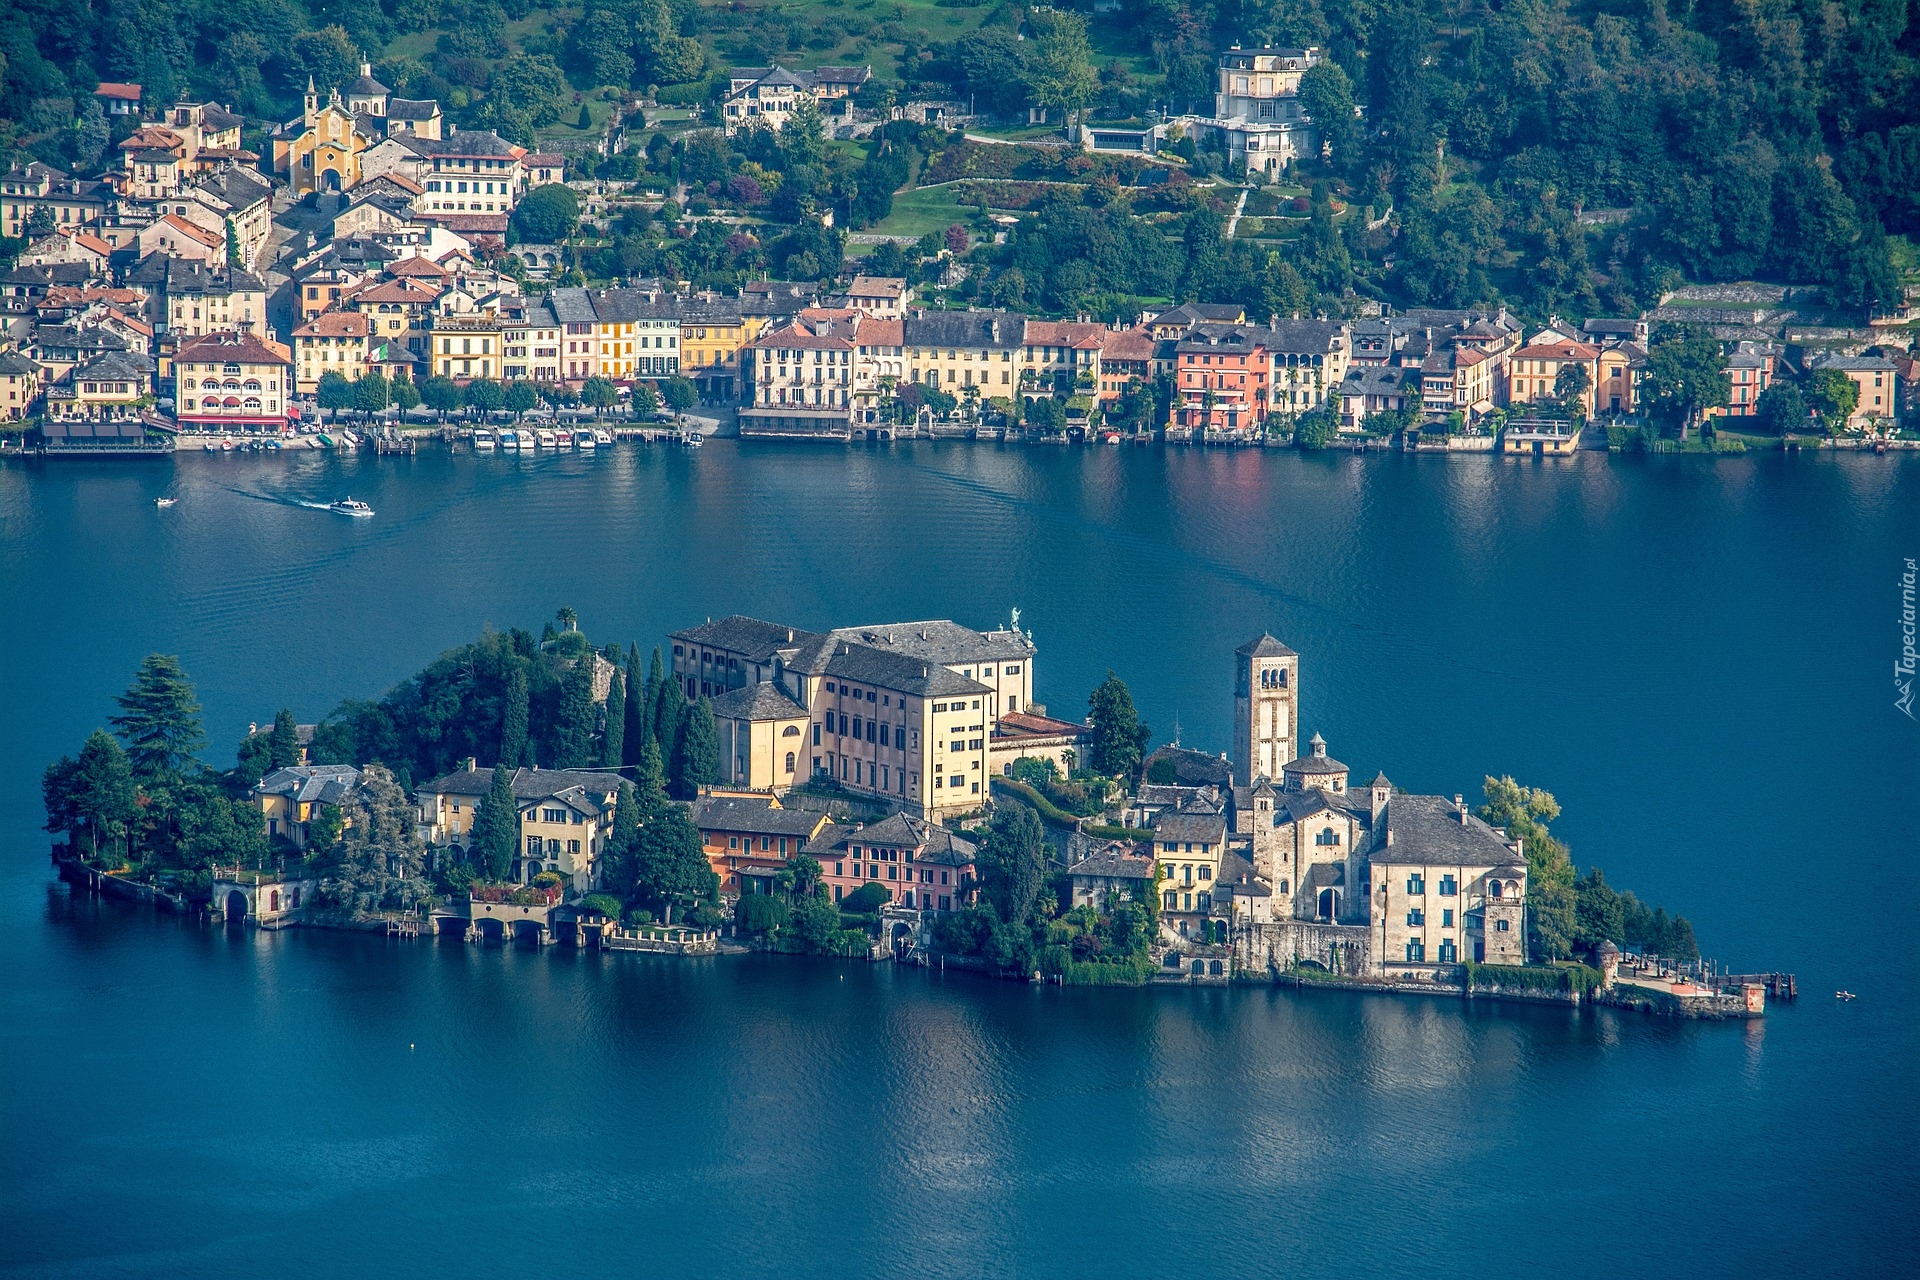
442,395
235,256
645,402
1061,73
283,744
1013,862
760,913
103,793
496,827
1524,812
650,787
324,828
619,874
599,394
613,745
634,719
521,396
1684,379
1569,387
573,724
406,396
547,215
672,870
513,718
381,861
335,392
1314,429
530,84
1326,94
669,711
1119,737
807,877
1599,914
159,720
681,395
814,922
372,393
484,394
697,762
1834,396
216,830
1781,408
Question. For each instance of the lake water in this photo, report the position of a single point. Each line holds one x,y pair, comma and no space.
1693,655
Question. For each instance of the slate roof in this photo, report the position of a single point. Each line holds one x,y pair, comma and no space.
1265,647
1427,829
467,142
315,784
1375,380
1182,825
1193,768
764,701
753,815
964,329
1318,336
1115,862
758,640
896,671
412,108
236,187
528,784
115,365
1316,762
942,641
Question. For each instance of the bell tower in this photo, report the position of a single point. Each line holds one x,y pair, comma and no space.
1266,708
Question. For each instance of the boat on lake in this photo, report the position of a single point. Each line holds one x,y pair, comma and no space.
545,438
350,507
584,440
483,442
325,441
164,503
602,436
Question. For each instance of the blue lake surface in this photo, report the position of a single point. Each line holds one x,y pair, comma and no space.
1694,656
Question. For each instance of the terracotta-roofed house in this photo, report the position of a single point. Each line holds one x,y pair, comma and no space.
227,382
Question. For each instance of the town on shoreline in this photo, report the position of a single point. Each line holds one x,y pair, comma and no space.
891,792
376,259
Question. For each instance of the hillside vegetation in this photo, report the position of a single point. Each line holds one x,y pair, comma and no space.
1733,139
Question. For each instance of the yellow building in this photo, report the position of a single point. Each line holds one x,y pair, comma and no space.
762,738
562,819
1189,843
467,346
325,154
332,342
1446,887
292,799
19,384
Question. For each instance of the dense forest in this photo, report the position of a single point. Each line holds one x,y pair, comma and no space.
1559,156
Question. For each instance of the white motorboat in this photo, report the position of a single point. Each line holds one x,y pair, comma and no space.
164,503
584,440
483,442
350,507
545,438
602,436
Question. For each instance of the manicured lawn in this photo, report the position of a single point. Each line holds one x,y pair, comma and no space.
922,210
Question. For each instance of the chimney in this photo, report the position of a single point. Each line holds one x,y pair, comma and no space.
471,764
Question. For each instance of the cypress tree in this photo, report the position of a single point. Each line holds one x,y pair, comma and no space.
513,719
283,747
159,720
612,746
656,679
573,728
698,761
621,842
496,826
669,713
650,793
634,732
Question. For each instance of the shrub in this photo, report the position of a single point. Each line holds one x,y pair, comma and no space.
1553,978
1129,972
547,880
1113,831
868,897
639,918
760,913
605,903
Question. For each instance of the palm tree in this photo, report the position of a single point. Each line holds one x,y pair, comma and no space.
567,618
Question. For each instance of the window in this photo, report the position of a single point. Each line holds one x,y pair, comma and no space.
1327,837
1171,901
1206,873
733,842
1416,951
789,762
1449,954
1502,926
533,846
1417,885
1446,918
1416,917
1447,888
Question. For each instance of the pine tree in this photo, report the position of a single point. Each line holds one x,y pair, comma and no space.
382,861
103,791
513,719
670,866
697,763
159,720
496,827
283,747
634,732
613,745
573,724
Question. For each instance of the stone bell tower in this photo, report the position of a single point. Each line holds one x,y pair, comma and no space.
1266,708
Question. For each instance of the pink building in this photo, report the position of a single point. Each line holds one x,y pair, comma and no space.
921,864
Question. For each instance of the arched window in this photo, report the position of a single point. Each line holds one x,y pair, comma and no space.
789,762
1283,886
1494,888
